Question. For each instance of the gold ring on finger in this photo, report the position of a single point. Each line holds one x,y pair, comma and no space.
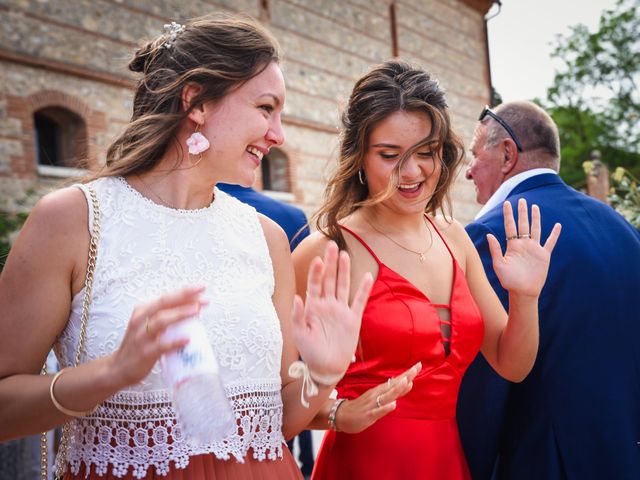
525,235
513,237
378,403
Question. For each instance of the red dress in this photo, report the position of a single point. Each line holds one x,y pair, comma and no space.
419,439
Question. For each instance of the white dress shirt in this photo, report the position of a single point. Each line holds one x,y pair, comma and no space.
501,194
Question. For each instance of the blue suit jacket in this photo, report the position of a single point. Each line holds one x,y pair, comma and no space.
577,414
290,218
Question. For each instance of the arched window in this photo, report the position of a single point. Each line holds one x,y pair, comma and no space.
275,171
61,138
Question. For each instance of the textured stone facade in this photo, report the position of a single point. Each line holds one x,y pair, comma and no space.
73,54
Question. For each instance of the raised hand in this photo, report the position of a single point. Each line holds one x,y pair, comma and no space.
355,415
325,326
524,266
143,343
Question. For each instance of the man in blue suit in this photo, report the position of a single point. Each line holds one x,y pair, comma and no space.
577,414
294,222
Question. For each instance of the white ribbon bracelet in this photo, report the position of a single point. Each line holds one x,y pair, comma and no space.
311,380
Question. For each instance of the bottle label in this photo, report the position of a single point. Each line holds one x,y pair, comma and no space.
194,359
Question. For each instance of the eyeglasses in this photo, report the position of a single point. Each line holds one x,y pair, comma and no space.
487,111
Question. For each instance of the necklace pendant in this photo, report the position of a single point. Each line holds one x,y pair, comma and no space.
422,257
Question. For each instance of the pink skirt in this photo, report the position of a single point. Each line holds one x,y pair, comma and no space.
208,467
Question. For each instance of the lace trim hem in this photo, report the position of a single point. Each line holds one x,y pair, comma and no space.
133,431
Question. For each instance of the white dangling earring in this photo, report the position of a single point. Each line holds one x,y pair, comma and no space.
197,143
361,177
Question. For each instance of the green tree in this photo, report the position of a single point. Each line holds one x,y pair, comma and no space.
594,99
625,195
496,98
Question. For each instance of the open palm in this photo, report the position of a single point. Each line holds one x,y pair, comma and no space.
524,266
326,327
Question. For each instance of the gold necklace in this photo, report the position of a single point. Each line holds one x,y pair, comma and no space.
421,255
162,200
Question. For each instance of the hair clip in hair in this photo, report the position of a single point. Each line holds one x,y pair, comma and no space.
172,29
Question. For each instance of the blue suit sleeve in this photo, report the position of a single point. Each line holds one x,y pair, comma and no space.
478,233
483,394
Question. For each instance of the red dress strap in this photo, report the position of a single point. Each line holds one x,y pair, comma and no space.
357,237
440,235
450,253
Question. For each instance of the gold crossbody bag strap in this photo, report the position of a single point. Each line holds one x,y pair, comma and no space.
86,302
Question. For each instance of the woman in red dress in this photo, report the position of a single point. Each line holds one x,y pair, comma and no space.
431,307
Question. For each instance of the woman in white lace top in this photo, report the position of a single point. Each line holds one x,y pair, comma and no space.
206,110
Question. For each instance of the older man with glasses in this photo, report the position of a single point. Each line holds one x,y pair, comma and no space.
577,414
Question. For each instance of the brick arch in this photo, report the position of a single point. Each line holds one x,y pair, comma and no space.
287,172
53,98
291,156
295,160
23,108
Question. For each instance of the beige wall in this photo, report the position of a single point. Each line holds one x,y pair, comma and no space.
74,54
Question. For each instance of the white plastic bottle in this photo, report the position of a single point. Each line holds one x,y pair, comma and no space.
192,375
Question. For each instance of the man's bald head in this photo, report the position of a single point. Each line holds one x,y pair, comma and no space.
535,130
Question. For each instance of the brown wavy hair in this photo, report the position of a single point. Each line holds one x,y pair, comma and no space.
217,52
389,87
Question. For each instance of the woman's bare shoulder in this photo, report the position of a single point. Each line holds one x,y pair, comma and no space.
449,227
272,231
59,216
456,237
312,246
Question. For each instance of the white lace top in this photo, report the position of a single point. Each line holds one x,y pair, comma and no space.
145,250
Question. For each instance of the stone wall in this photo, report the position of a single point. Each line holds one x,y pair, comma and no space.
73,53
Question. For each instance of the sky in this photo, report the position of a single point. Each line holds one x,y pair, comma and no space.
521,38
